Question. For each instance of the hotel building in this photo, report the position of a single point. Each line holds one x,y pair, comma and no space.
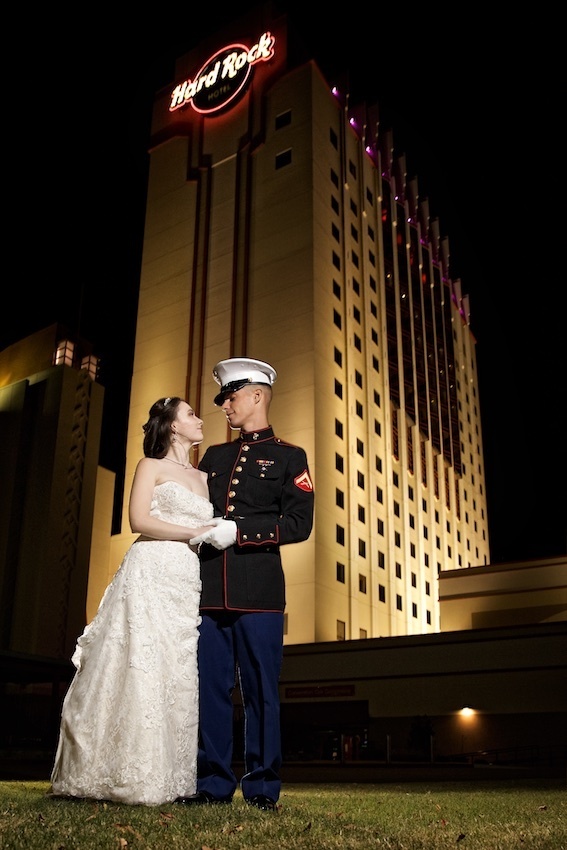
280,226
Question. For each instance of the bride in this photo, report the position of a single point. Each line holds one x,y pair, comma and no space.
129,722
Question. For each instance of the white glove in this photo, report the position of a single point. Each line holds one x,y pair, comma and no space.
221,536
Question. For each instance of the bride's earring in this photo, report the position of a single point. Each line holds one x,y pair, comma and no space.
173,437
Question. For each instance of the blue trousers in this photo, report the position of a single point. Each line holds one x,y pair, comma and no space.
250,646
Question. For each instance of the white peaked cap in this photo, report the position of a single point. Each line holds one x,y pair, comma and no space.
233,374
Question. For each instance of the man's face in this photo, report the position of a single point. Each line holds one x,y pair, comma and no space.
239,406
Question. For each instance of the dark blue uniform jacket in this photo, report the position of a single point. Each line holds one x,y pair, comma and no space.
264,485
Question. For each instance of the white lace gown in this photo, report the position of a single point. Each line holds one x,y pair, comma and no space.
129,723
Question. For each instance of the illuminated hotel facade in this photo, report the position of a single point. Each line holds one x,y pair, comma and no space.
280,226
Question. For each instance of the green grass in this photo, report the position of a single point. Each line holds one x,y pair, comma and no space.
491,815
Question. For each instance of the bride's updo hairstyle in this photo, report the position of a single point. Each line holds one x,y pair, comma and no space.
157,430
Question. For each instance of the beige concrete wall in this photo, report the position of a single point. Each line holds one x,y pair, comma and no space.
504,594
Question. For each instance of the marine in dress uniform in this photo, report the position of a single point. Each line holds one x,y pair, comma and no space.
262,485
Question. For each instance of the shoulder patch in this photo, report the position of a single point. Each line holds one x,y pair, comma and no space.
303,481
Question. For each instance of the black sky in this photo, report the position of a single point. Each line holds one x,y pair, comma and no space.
474,103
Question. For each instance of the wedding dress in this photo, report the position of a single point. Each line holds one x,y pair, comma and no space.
129,723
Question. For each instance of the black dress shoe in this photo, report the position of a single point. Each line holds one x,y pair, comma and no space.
262,802
202,798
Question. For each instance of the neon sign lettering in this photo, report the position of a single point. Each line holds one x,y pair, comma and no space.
223,77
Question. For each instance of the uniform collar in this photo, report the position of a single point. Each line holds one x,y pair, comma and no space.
257,436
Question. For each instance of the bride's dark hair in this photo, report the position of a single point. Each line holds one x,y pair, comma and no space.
157,430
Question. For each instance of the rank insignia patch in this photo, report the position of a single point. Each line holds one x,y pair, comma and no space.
303,481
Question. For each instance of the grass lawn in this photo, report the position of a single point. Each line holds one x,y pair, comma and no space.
524,814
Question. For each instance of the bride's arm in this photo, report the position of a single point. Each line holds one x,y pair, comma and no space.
141,521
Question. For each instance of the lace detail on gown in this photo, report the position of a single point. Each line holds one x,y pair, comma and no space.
129,722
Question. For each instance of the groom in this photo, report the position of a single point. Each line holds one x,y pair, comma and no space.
261,486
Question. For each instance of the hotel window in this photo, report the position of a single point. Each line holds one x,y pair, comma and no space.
410,493
376,398
426,560
369,197
396,479
398,570
352,168
334,178
371,232
359,410
399,605
334,139
374,309
335,232
412,550
375,364
353,207
360,480
372,284
380,527
361,583
358,378
372,258
337,319
397,540
381,560
413,580
340,573
340,535
354,259
357,343
341,630
379,495
361,514
354,232
428,617
339,428
355,286
378,464
356,314
283,119
412,521
427,589
381,593
339,463
424,504
339,498
283,159
414,610
374,336
359,447
336,261
334,204
338,357
337,290
338,389
396,508
425,532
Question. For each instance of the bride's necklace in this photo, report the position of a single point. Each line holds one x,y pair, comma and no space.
178,462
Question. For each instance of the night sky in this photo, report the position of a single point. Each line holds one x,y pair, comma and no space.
474,104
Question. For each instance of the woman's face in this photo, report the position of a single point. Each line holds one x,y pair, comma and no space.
188,424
